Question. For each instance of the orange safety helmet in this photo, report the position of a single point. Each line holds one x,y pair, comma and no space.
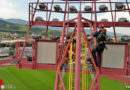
105,30
101,25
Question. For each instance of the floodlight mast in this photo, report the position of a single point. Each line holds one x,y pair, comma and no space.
79,26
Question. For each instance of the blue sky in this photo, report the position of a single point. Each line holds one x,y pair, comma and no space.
15,8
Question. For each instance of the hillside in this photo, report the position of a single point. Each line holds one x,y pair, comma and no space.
15,21
10,27
21,29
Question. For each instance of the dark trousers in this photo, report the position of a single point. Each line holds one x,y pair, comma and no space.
98,49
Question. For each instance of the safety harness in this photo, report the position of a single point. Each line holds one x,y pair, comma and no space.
100,36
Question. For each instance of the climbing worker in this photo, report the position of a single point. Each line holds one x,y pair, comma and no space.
99,47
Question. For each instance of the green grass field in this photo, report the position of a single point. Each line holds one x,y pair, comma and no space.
23,79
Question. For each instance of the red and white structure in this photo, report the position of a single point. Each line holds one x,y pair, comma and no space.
47,56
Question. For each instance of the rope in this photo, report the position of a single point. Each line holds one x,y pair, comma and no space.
84,66
71,69
84,58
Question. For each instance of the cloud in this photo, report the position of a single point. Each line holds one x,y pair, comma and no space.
105,1
118,15
8,10
122,30
98,4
